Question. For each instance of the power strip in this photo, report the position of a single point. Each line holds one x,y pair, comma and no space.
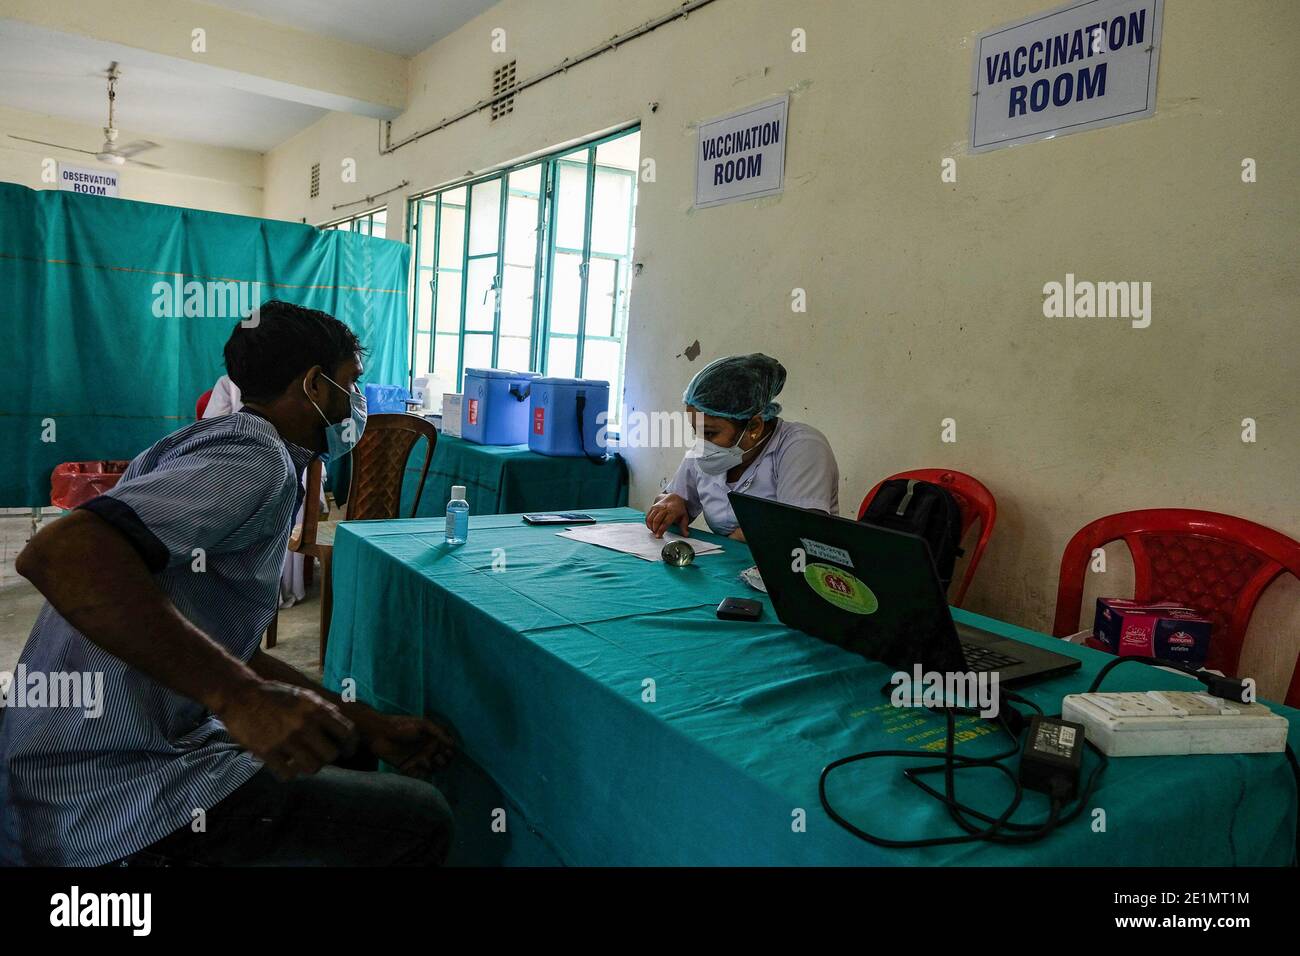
1174,722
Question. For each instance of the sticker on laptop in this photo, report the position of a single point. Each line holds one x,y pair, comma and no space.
836,586
826,552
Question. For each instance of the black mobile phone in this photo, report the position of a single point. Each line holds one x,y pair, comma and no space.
568,517
740,609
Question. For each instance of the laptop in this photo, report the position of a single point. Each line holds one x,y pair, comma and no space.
875,592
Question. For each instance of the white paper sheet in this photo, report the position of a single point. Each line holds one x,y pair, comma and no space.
630,538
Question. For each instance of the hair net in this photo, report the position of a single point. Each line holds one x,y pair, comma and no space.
738,386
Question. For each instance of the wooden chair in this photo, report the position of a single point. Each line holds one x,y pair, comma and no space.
973,500
378,467
1216,563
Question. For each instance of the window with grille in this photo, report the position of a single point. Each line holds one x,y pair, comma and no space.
315,180
528,268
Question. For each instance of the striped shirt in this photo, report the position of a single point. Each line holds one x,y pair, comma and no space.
209,508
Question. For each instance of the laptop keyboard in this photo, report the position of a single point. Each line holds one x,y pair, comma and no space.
980,658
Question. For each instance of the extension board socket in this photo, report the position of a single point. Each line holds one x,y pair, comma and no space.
1174,722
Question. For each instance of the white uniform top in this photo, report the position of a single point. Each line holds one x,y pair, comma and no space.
224,400
795,466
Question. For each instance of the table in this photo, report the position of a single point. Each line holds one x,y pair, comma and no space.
510,479
542,666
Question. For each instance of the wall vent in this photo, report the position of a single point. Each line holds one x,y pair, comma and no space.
315,180
503,79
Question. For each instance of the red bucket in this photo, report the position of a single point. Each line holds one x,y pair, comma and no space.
75,482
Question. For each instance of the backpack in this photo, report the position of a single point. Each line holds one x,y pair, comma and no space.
923,509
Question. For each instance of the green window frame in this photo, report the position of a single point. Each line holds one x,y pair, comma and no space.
372,223
463,269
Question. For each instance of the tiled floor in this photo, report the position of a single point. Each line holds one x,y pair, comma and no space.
298,638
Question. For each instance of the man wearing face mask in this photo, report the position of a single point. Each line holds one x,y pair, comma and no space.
741,445
163,588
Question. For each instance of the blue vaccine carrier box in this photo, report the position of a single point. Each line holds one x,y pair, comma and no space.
494,410
554,427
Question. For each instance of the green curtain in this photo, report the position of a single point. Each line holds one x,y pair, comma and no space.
100,374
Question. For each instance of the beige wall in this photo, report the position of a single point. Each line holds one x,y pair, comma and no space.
286,61
925,298
197,177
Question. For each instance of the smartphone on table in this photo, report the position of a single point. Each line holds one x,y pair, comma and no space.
561,517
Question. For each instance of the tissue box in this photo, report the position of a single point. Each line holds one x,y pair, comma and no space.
451,404
1164,629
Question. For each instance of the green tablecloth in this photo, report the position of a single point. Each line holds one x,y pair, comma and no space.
510,479
542,667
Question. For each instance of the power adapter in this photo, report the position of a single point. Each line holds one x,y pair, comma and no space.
1053,757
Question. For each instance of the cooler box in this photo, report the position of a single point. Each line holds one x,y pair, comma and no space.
74,483
386,399
494,410
554,428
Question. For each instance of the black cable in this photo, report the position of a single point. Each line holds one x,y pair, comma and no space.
1138,659
1227,688
1000,829
582,434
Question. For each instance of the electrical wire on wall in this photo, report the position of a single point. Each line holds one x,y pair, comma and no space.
370,199
613,43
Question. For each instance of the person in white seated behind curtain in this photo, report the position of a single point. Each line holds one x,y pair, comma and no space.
225,400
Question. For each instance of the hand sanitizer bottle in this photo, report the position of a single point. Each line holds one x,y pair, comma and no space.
457,516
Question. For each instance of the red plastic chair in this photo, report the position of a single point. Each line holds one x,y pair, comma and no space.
1213,562
202,404
975,501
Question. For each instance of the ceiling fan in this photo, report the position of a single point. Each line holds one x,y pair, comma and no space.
110,152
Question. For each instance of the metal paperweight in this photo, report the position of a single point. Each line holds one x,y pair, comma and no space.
678,554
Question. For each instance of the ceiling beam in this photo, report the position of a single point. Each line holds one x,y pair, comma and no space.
241,166
240,51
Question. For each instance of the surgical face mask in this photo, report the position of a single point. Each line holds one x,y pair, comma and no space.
342,437
718,459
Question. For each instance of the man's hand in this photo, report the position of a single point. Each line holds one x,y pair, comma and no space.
668,510
411,744
414,745
293,730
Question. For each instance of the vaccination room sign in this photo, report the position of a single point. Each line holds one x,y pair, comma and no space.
1078,67
742,155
